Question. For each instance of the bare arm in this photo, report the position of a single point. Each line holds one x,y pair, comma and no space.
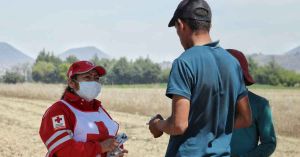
243,117
177,123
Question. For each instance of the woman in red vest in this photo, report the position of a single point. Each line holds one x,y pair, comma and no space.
78,125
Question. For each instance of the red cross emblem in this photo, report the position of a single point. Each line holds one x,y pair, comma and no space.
58,122
58,119
103,133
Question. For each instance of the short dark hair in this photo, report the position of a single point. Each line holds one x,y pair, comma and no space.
196,25
199,25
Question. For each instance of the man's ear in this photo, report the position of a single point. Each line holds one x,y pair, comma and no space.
180,24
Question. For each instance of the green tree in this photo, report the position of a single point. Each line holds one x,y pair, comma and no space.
289,78
71,59
62,72
268,74
44,72
108,66
95,59
165,75
48,57
253,66
13,77
274,74
145,71
121,72
47,68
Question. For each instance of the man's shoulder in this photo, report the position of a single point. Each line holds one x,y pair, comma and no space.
257,99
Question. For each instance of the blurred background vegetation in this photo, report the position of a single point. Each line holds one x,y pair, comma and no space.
50,69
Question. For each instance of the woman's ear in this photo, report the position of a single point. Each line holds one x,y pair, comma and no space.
73,84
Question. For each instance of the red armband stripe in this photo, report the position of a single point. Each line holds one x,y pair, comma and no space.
55,135
58,143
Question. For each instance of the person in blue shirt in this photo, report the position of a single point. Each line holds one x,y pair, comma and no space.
209,97
258,140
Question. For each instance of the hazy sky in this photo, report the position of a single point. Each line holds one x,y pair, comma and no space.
134,28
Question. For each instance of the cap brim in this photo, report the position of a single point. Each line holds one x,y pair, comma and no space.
101,71
248,79
172,22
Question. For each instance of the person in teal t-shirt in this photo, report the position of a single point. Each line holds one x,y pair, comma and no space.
209,97
259,140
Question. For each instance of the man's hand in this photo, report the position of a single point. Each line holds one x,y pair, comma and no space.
177,123
153,126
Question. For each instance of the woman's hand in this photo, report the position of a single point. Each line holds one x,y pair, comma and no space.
109,145
122,153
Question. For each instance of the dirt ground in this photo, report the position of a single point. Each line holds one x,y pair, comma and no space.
20,120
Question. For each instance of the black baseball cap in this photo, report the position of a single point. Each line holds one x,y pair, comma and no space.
191,9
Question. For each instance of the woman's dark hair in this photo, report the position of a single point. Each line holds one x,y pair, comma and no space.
68,88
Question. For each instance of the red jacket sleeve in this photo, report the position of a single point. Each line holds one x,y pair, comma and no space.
56,131
80,149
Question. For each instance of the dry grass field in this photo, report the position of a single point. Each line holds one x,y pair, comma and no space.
22,107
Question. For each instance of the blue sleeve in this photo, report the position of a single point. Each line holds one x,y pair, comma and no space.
180,80
266,134
242,92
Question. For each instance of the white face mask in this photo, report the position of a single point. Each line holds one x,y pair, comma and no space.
89,90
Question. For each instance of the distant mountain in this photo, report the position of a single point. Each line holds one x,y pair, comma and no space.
84,53
289,60
10,57
295,51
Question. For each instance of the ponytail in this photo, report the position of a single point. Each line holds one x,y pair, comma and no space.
68,88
